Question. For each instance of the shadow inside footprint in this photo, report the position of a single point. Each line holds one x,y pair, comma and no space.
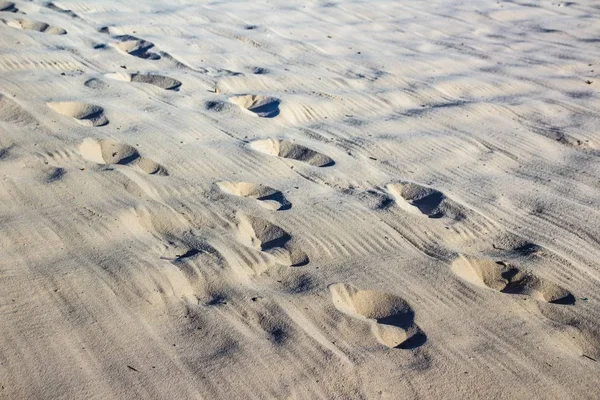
430,204
509,279
391,317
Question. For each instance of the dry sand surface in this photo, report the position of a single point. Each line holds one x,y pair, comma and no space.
370,199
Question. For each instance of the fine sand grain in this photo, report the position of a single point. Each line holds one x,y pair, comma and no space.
292,199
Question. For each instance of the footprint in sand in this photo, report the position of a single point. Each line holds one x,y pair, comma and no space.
506,278
291,150
109,152
268,197
160,81
137,47
85,114
7,6
263,106
391,318
416,198
264,236
35,26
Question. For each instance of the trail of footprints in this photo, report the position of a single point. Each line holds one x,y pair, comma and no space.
496,275
391,318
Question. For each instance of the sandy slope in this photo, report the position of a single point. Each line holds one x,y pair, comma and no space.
299,199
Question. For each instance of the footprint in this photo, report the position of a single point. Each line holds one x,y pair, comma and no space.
109,152
137,47
263,106
8,6
262,235
391,317
291,150
505,278
160,81
85,114
34,26
413,197
268,197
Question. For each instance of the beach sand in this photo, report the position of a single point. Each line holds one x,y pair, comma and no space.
299,199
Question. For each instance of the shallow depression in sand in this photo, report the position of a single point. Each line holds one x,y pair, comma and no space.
268,197
416,198
84,113
35,26
109,152
293,151
138,48
265,236
505,278
263,106
163,82
391,317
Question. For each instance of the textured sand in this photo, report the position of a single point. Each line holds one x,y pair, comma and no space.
299,199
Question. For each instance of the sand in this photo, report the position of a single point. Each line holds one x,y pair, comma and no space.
299,199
